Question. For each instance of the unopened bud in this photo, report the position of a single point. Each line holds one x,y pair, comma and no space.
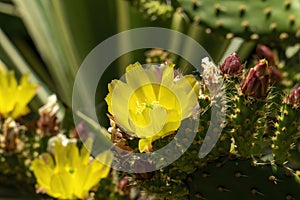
232,65
275,75
294,97
257,81
264,52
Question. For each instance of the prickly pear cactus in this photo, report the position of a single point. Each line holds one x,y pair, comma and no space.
249,159
264,20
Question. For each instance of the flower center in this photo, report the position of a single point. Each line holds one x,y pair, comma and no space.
152,104
140,107
71,170
149,106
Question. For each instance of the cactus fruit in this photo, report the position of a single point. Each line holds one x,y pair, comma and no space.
268,21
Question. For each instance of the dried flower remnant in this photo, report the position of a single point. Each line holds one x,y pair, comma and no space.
10,140
212,78
48,124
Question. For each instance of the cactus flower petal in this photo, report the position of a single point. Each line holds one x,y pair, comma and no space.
152,102
68,174
13,97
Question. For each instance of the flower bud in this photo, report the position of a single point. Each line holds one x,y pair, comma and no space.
232,65
257,81
264,52
294,97
275,75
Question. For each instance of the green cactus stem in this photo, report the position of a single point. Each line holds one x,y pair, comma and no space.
248,122
287,128
250,111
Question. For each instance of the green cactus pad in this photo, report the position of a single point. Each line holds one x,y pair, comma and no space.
265,20
243,180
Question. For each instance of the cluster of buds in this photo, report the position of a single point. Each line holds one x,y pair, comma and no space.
232,65
257,81
294,98
10,140
48,124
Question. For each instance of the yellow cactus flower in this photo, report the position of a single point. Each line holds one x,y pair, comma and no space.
152,102
13,97
68,173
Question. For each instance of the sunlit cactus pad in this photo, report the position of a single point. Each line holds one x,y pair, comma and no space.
262,19
237,179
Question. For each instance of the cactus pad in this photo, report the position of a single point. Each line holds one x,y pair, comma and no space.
264,20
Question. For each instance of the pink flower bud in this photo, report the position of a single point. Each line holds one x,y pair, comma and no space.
294,97
257,81
275,75
264,52
232,65
123,185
